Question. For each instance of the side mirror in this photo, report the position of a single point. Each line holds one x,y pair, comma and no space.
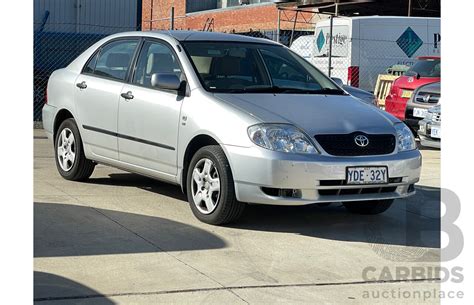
166,81
338,81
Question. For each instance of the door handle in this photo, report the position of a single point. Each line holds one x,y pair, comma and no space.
82,85
127,95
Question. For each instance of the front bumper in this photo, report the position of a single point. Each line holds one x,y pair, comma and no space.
424,133
267,177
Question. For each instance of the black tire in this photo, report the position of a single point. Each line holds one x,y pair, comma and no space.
82,167
368,207
227,209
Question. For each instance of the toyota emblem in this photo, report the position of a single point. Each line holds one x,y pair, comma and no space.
361,140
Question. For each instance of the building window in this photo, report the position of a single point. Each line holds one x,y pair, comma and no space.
205,5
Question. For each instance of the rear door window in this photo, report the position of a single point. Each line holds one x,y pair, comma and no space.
114,59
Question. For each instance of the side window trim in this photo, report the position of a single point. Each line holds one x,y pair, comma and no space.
94,56
99,51
135,63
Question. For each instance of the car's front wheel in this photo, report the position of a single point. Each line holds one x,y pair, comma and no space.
70,159
368,207
210,187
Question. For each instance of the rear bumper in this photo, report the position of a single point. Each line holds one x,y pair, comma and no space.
49,113
266,177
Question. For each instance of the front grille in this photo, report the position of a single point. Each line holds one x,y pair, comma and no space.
345,145
355,191
427,97
367,190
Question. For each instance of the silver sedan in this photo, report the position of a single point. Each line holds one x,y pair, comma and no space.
231,119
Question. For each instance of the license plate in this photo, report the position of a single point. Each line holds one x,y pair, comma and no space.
420,112
436,132
406,93
367,175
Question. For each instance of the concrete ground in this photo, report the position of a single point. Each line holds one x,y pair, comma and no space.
124,239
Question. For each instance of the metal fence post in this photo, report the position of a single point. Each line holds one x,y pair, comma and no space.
331,22
278,26
172,19
293,29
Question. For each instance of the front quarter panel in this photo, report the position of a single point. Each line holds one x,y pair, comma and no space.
202,114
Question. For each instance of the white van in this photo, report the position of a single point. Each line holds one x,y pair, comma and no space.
364,47
303,46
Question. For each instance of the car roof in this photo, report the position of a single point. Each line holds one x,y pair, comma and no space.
199,36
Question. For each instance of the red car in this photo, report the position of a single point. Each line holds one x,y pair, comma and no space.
426,70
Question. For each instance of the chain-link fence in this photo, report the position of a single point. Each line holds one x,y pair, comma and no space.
371,61
355,61
55,50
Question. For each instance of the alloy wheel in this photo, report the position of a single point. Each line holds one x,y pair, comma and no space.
66,149
205,186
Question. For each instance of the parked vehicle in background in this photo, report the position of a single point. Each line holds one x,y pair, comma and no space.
303,46
426,70
364,47
422,99
429,131
229,118
365,96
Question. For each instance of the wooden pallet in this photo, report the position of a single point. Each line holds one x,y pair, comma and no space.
382,87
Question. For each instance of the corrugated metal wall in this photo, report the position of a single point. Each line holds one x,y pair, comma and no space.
65,28
87,16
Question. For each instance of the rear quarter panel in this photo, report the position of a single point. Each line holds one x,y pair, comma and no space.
61,90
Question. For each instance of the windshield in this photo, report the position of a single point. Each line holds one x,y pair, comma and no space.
426,68
255,68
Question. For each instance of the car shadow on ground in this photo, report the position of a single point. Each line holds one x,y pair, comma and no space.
73,230
414,221
51,287
141,182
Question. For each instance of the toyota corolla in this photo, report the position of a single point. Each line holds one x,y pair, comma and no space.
231,119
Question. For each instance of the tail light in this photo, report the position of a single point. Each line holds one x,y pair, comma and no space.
353,76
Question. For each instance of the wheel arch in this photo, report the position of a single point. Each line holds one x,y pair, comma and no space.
60,117
196,143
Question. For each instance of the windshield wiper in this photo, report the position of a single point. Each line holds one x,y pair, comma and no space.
245,90
277,89
329,91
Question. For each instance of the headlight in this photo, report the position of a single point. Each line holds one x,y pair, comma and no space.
405,138
281,137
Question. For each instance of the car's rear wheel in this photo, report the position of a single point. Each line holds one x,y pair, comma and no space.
210,187
70,159
368,207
